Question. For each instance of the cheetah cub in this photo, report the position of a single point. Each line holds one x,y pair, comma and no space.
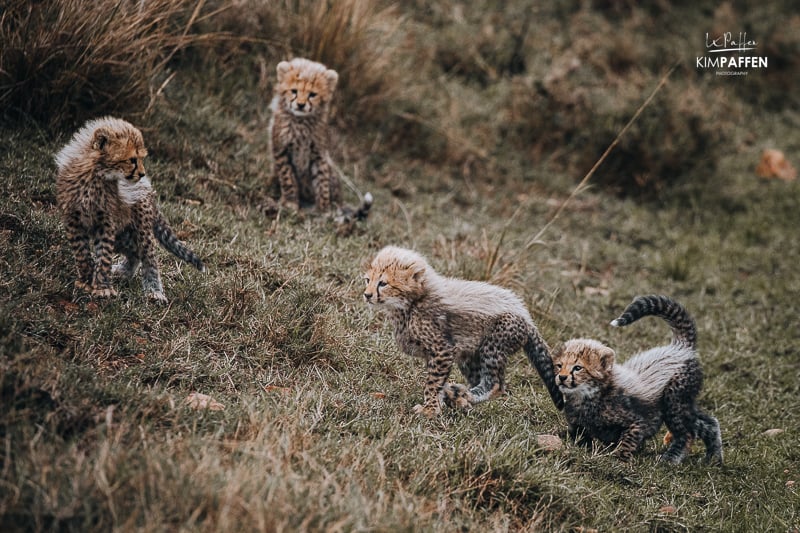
107,204
300,137
445,321
625,404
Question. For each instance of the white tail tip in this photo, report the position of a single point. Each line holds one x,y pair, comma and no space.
615,323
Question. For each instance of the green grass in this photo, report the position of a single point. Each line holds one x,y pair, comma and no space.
317,431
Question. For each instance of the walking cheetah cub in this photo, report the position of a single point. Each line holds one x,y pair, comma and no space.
108,204
445,321
300,137
626,403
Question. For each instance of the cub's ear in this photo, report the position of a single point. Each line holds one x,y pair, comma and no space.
556,354
606,357
100,138
417,270
332,78
366,264
283,68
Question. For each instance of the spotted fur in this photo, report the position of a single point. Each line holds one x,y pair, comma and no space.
625,404
448,321
108,205
299,138
299,134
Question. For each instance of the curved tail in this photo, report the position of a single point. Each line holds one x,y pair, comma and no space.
539,356
167,238
348,215
682,324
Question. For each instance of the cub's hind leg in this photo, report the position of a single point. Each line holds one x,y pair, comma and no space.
146,245
679,410
125,244
506,336
707,428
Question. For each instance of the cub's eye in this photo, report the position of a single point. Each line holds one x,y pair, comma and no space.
382,284
577,368
312,95
294,92
133,160
366,281
557,366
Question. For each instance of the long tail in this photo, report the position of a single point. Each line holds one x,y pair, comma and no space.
348,215
539,356
167,238
682,324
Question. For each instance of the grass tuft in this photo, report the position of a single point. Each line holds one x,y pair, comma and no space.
65,61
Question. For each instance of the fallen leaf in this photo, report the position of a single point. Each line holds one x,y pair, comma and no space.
668,509
378,395
774,164
773,432
549,443
200,401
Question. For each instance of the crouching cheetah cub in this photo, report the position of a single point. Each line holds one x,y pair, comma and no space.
300,135
108,204
625,404
444,320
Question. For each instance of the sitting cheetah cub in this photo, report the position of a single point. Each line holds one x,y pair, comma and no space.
445,321
108,204
300,137
625,404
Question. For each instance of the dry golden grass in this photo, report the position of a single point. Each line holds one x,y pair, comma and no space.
65,60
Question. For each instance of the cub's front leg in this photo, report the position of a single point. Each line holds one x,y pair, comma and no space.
285,172
327,191
629,441
438,370
579,435
103,251
81,246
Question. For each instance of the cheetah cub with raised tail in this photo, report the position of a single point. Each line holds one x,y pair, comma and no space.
625,404
300,137
108,204
447,321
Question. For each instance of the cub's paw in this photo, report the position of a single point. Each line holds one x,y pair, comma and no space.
122,270
624,455
103,292
157,296
457,396
428,411
83,286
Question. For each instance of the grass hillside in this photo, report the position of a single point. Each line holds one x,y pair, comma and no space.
471,124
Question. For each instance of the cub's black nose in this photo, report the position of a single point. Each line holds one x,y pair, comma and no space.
562,378
368,296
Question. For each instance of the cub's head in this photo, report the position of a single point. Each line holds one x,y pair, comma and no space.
113,147
119,148
395,278
583,366
304,87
